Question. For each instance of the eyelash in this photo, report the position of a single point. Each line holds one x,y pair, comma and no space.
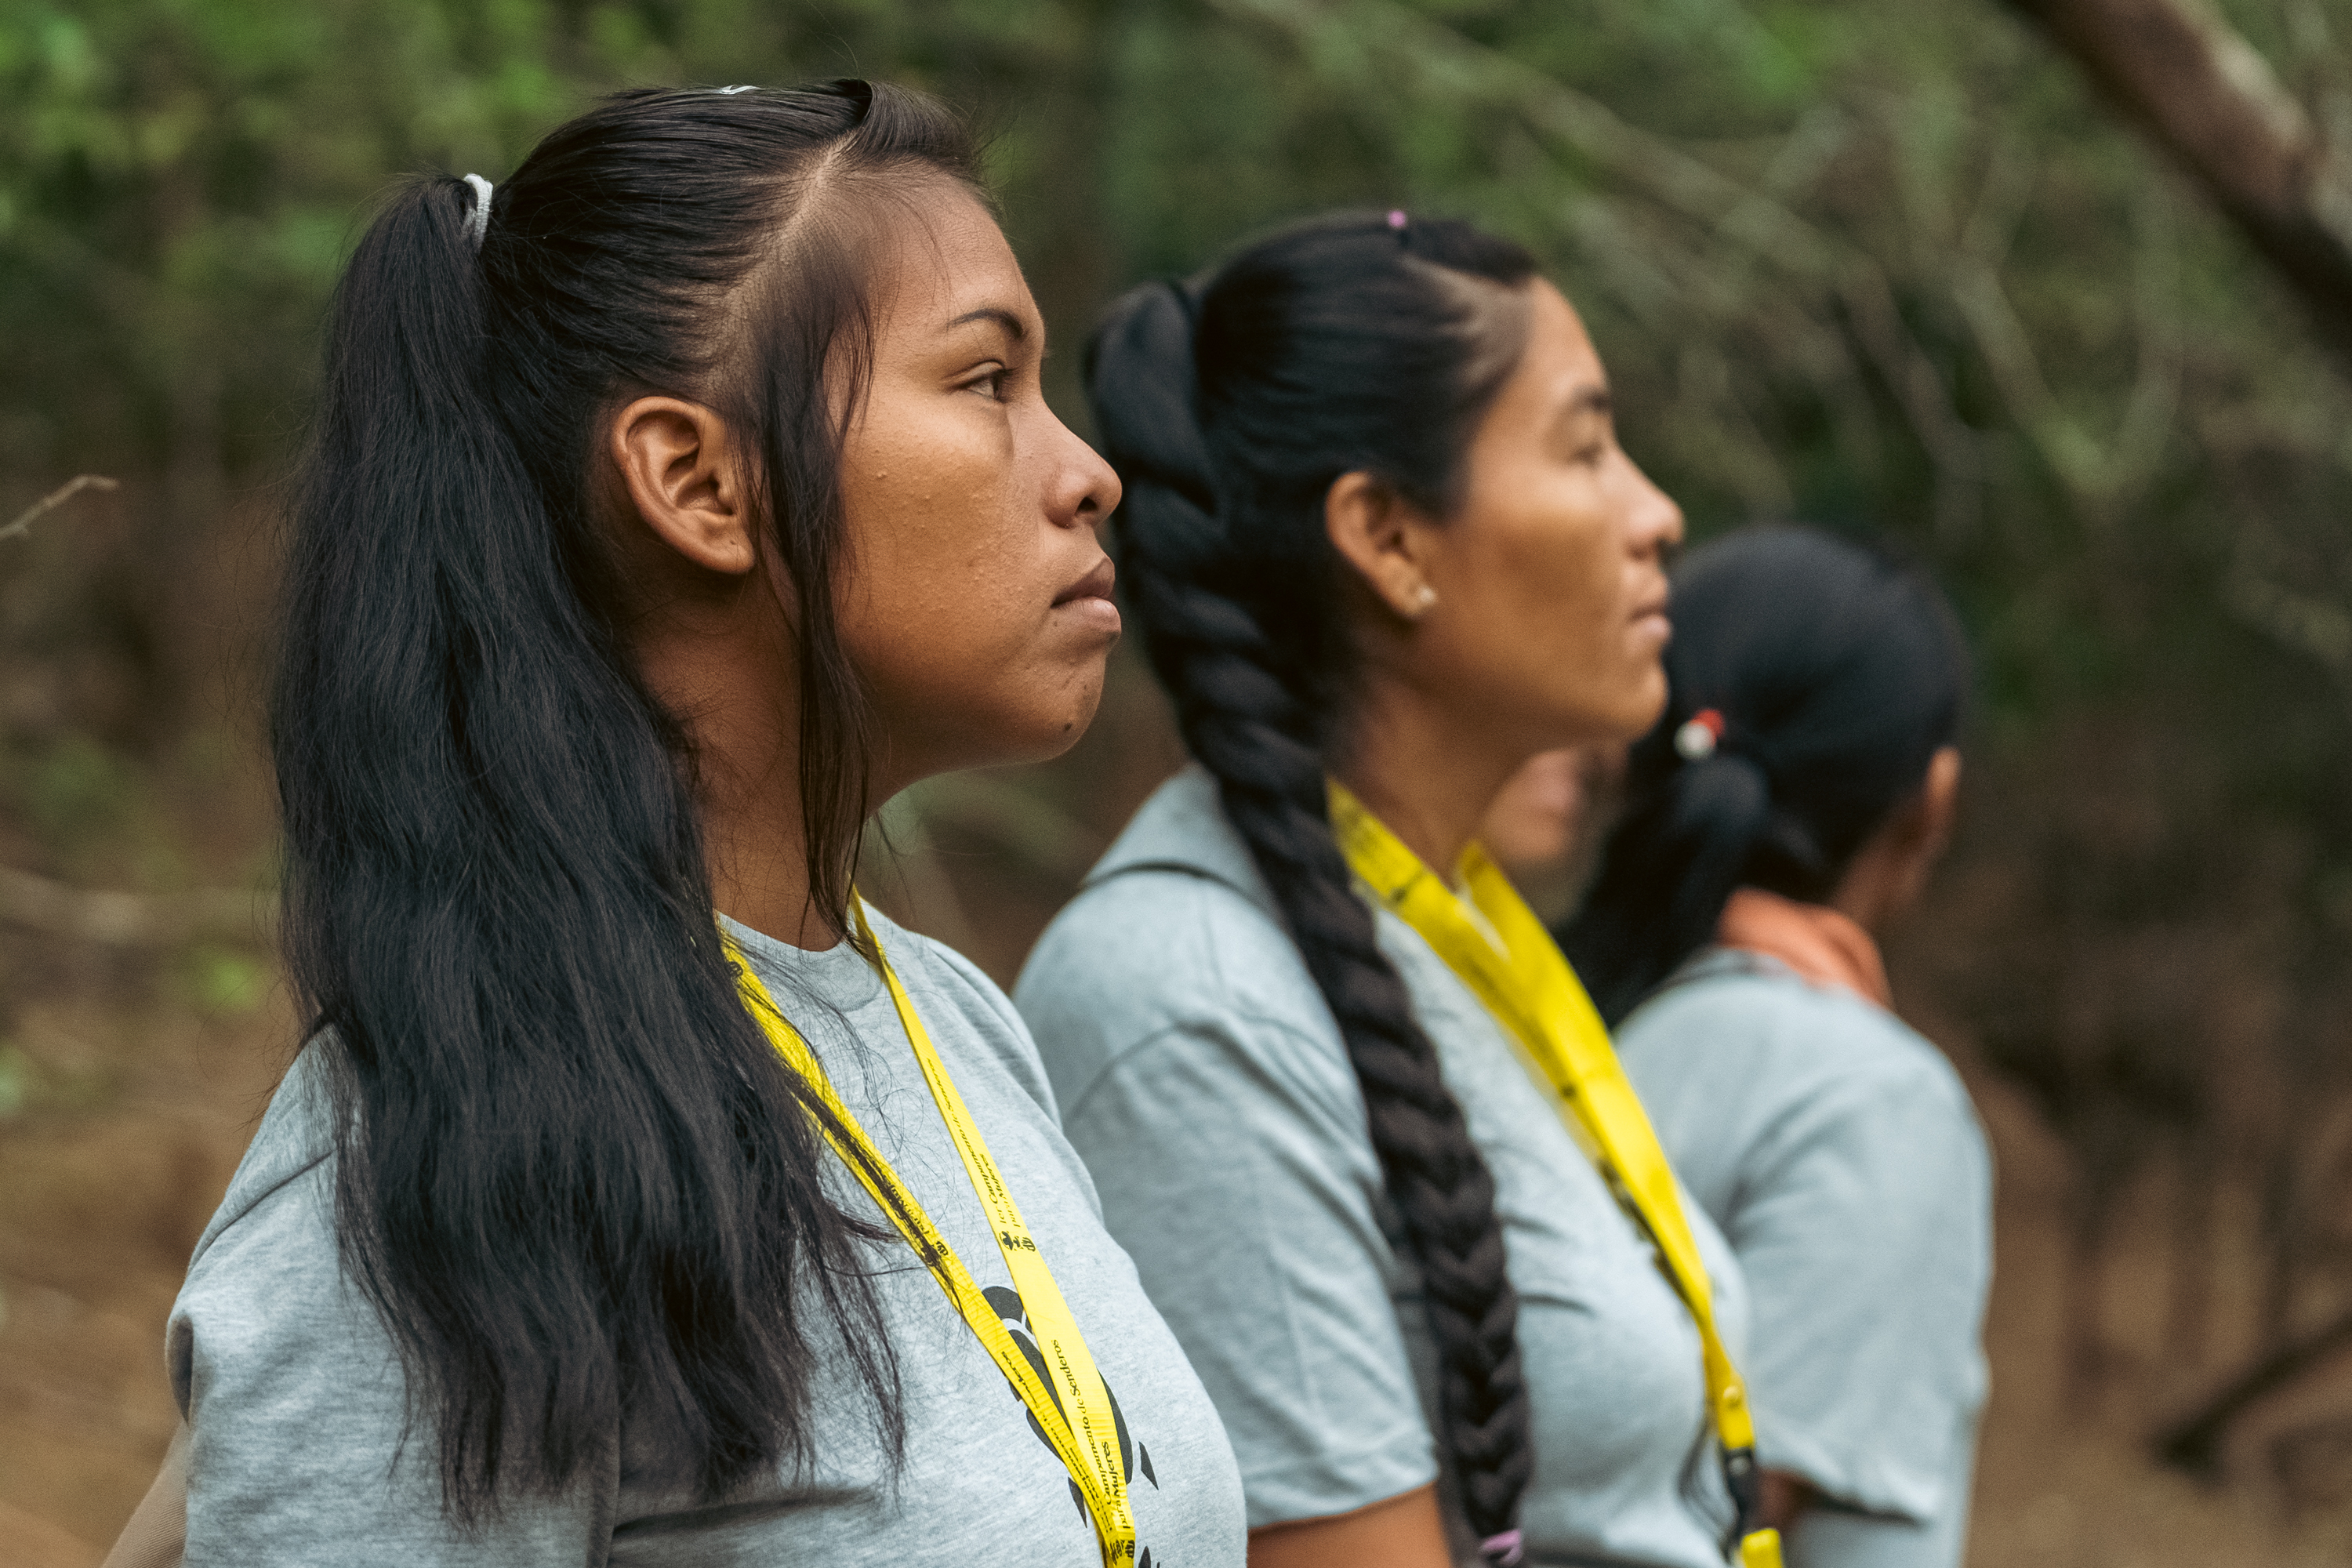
990,385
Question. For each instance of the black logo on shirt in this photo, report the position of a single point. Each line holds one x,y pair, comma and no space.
1133,1456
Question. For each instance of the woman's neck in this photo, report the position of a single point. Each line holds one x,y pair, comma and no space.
723,666
752,845
1425,774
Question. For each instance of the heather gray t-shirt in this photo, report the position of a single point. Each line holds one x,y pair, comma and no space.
294,1396
1839,1153
1204,1080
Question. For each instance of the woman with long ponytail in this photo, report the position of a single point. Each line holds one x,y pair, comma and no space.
639,1195
1785,810
1384,547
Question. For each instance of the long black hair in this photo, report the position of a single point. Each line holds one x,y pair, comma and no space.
1229,408
572,1176
1834,675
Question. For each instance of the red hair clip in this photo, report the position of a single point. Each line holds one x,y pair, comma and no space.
1699,735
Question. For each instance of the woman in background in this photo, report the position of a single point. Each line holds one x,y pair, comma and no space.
1787,809
1547,826
671,507
1380,531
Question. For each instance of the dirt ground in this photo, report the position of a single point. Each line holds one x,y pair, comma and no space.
109,1167
100,1204
2064,1475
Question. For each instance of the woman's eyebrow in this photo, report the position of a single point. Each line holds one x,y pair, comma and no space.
1584,400
1012,323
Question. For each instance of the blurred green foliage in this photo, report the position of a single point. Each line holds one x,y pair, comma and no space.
79,788
225,980
15,1076
1885,266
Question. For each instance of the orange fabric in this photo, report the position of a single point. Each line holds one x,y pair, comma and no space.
1817,941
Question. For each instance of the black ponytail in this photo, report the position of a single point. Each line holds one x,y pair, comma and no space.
1833,675
1229,411
572,1178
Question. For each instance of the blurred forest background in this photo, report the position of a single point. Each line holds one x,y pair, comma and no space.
1899,269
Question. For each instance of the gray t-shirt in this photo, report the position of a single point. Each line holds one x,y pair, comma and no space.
1839,1153
295,1397
1207,1087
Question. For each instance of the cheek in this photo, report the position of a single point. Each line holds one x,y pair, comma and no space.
1550,617
1557,578
929,548
945,613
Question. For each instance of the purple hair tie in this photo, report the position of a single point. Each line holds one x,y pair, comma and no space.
1503,1551
1397,220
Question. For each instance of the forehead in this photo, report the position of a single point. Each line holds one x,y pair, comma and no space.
1559,359
940,255
1557,384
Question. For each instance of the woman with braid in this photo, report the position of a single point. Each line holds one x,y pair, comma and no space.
1787,809
1385,548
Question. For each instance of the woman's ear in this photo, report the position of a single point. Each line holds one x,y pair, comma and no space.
1380,535
1890,870
1918,835
679,462
1939,801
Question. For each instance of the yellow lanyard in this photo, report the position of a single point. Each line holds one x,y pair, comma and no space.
1532,992
1091,1447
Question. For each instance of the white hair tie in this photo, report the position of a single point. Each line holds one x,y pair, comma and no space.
477,221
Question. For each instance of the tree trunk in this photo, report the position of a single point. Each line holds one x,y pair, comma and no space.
2180,73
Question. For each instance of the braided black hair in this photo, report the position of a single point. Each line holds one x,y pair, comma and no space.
1833,675
1229,408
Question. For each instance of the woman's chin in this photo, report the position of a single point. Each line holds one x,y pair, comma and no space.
1622,726
1045,732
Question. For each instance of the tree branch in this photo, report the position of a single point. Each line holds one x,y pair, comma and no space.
2191,84
1746,224
133,919
2194,1443
56,498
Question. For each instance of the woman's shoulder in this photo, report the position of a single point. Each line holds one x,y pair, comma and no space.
1745,1068
1173,947
1160,930
294,1140
268,1256
1174,925
1162,957
1735,1011
945,977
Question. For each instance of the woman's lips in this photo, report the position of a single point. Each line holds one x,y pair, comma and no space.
1095,585
1090,597
1652,594
1650,621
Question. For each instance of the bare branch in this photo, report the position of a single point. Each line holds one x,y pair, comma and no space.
133,919
1750,225
1469,72
55,498
1920,392
2194,1443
